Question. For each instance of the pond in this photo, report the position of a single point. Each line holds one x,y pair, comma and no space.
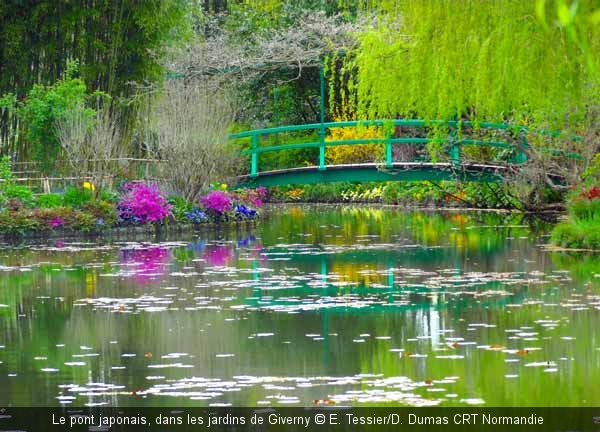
316,305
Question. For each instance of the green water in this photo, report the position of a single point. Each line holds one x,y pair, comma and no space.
336,305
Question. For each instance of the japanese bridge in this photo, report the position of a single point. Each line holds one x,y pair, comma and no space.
404,157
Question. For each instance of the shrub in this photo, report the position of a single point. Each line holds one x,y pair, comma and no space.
391,193
50,200
104,213
22,193
577,234
180,207
217,201
76,198
344,154
18,222
142,203
582,208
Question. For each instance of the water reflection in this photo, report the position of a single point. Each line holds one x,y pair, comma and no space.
339,305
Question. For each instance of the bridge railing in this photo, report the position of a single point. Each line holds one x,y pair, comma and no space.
454,143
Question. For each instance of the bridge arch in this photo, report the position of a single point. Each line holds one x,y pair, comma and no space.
452,166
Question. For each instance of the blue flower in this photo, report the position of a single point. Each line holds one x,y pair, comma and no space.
243,211
196,216
100,222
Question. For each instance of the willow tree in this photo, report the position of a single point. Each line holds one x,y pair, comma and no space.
498,60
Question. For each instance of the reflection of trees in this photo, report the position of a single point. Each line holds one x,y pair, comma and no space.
346,224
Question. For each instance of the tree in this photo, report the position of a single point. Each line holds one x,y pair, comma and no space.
92,143
189,125
481,61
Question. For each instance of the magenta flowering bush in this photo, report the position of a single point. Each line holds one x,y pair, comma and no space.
141,203
56,222
220,205
217,201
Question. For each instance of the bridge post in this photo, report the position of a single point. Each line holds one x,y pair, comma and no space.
388,150
521,157
322,148
322,116
454,147
254,167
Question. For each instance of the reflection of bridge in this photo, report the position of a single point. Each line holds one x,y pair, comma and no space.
412,164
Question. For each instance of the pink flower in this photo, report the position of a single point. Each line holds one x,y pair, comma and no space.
143,203
56,222
218,201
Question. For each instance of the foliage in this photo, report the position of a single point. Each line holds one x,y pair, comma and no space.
45,105
347,154
113,41
6,174
76,198
391,193
288,158
179,207
18,222
142,203
217,201
577,234
592,173
46,220
19,192
582,229
440,81
103,212
491,61
51,200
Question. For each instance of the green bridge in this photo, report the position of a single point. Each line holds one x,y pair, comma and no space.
509,142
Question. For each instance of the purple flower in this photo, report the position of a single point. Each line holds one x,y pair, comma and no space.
217,201
141,202
56,222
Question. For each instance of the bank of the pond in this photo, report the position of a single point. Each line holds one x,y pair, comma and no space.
174,225
137,207
148,230
580,230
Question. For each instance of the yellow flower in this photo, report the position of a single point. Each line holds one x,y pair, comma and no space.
89,186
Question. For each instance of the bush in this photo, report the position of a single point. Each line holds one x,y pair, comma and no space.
391,193
51,200
142,203
582,208
345,154
104,213
18,222
180,207
22,193
577,234
76,198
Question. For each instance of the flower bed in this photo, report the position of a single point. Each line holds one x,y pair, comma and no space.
138,204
